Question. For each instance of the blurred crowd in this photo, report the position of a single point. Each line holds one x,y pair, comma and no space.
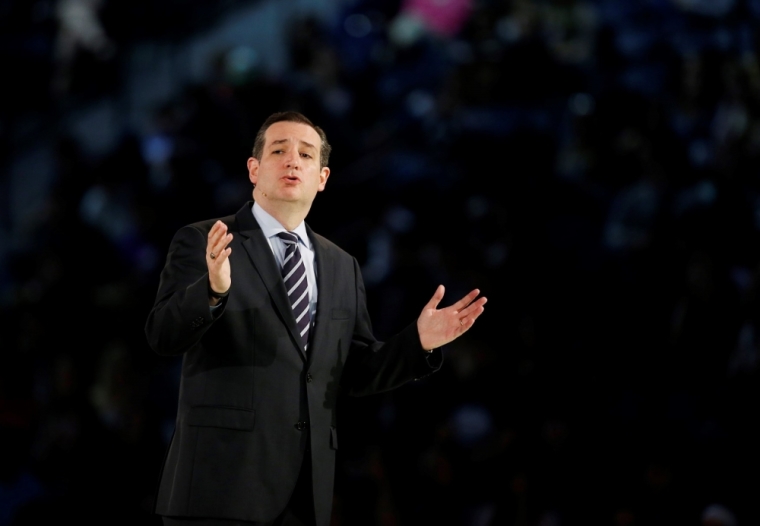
593,166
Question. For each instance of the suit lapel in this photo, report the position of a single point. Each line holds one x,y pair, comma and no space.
325,285
262,259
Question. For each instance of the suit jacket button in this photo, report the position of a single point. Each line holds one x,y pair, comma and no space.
309,377
301,426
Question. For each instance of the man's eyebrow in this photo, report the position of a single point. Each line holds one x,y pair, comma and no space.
281,141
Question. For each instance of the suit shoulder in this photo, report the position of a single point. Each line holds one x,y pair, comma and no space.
205,225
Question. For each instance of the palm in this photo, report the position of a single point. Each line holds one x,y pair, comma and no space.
217,257
438,327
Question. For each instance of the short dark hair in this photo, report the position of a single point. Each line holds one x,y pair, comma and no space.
291,116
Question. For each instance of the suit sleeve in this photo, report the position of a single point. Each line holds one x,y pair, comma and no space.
181,314
374,366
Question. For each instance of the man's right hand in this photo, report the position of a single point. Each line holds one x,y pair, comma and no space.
218,259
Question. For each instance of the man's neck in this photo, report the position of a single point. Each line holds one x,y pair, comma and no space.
289,215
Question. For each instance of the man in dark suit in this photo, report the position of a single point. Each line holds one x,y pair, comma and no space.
267,343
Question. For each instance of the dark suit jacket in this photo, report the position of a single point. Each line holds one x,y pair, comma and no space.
246,383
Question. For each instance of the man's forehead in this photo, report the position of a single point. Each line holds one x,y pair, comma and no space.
286,131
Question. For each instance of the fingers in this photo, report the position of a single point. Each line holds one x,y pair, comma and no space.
217,257
216,235
436,299
221,256
472,307
461,304
468,315
218,239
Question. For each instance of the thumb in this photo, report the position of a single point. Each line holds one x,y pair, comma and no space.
436,299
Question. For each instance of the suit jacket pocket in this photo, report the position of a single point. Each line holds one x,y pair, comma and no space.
341,314
224,417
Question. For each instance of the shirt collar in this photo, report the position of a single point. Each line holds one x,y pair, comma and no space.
271,227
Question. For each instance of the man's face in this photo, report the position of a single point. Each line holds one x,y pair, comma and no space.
289,169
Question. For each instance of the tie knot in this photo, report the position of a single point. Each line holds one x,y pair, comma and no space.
288,237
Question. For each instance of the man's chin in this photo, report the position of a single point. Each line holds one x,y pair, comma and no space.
291,199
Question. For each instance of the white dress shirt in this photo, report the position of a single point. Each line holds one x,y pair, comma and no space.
271,227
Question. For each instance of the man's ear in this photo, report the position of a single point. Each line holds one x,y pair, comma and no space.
323,175
253,169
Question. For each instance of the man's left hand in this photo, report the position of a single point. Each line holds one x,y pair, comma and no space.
438,327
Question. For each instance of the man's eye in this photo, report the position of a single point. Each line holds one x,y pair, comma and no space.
277,151
306,155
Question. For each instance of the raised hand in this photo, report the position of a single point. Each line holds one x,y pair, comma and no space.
218,258
438,327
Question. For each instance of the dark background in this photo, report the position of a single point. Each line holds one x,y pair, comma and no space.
593,166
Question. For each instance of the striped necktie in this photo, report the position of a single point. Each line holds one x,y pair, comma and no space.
294,276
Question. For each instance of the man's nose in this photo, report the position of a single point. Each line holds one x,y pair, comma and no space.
293,160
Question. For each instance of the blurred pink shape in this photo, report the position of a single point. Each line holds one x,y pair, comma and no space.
445,17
